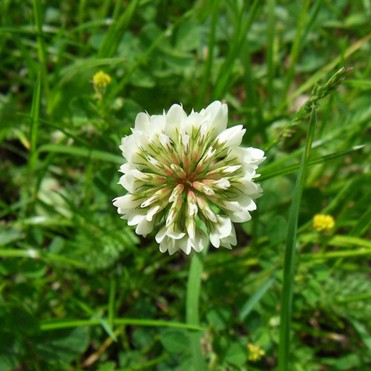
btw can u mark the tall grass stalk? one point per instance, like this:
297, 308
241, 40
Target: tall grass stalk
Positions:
270, 50
41, 47
192, 308
237, 42
296, 47
290, 252
210, 54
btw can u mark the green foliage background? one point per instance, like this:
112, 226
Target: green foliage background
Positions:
79, 290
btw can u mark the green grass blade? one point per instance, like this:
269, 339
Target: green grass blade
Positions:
35, 254
111, 303
252, 105
270, 50
354, 47
75, 68
290, 253
314, 13
41, 47
224, 76
296, 47
192, 308
210, 55
81, 17
34, 125
363, 224
118, 27
81, 152
362, 330
62, 324
339, 254
292, 168
254, 299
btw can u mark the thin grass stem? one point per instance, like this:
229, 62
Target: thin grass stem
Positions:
290, 253
41, 47
192, 308
296, 47
210, 54
270, 50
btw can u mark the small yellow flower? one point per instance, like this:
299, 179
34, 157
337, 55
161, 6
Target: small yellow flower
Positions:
101, 80
256, 353
323, 222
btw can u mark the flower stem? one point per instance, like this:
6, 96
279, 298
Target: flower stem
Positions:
192, 308
290, 252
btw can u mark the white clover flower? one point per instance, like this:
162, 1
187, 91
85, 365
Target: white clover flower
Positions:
188, 177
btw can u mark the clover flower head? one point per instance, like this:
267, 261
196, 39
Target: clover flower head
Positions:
323, 222
188, 177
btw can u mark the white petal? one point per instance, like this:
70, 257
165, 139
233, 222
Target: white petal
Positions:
128, 182
144, 227
155, 127
218, 116
164, 140
253, 155
174, 233
191, 227
224, 226
128, 147
222, 183
230, 240
169, 245
161, 235
174, 119
126, 202
185, 142
237, 212
194, 120
214, 238
239, 216
245, 203
152, 212
142, 121
185, 245
134, 218
200, 241
232, 136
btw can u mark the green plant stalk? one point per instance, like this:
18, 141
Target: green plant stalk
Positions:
338, 254
210, 55
255, 298
111, 303
330, 66
252, 104
192, 308
81, 17
292, 168
121, 20
270, 49
34, 124
31, 193
295, 50
290, 252
35, 254
41, 47
62, 324
318, 93
224, 76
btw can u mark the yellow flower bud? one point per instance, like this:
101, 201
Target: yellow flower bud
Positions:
323, 222
101, 80
256, 353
